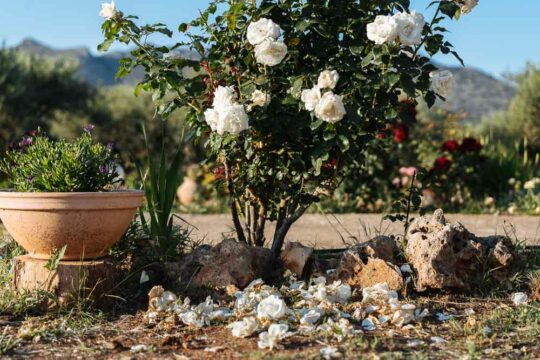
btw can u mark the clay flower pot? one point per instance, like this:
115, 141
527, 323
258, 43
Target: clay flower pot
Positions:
88, 224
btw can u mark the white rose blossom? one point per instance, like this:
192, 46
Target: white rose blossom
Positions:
260, 98
442, 82
270, 52
467, 5
410, 27
271, 339
328, 79
330, 108
384, 29
226, 115
311, 98
224, 96
273, 308
244, 328
108, 11
261, 30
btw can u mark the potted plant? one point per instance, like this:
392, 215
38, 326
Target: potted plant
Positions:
287, 95
63, 197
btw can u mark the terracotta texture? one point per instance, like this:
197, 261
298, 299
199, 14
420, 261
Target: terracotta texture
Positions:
88, 223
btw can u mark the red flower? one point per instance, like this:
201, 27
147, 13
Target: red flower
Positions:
381, 135
450, 145
470, 144
409, 106
331, 164
219, 172
401, 132
442, 164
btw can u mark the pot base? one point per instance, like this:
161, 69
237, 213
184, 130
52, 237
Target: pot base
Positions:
70, 279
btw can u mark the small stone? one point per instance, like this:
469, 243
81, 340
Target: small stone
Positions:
295, 256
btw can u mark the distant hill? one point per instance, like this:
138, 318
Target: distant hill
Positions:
476, 92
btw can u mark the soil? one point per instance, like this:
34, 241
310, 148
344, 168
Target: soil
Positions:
330, 231
467, 336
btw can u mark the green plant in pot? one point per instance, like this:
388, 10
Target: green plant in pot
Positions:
64, 197
287, 94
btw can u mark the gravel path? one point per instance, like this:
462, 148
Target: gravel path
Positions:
326, 231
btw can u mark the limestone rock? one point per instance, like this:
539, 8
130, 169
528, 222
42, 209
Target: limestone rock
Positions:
380, 247
447, 256
295, 256
370, 263
234, 263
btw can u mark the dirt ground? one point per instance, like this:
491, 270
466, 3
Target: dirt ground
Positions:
495, 330
326, 231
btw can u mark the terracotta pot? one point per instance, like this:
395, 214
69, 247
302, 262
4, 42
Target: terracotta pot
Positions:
87, 223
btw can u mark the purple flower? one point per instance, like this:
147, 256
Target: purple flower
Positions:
110, 146
104, 169
88, 128
30, 179
26, 141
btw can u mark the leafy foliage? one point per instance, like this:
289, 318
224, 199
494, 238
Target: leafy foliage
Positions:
39, 164
287, 159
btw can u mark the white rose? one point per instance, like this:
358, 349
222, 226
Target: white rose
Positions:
270, 339
212, 118
244, 328
259, 98
224, 96
442, 82
330, 108
272, 308
328, 79
261, 30
410, 27
189, 73
383, 29
270, 53
311, 98
108, 11
467, 5
232, 119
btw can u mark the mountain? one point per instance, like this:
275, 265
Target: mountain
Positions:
476, 93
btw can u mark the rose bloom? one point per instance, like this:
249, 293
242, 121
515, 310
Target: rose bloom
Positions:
330, 108
270, 53
261, 30
381, 135
408, 171
383, 29
273, 308
108, 11
442, 164
259, 98
328, 79
224, 96
311, 98
468, 5
243, 328
470, 145
410, 27
401, 132
442, 82
450, 145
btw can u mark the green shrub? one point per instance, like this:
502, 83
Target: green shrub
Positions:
38, 163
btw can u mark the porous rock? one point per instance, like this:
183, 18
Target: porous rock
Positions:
447, 256
368, 264
295, 256
234, 263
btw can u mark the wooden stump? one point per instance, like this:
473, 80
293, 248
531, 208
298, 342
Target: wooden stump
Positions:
70, 279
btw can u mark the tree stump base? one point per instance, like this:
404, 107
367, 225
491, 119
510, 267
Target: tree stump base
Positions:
71, 279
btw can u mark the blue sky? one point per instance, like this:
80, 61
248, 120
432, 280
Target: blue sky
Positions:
497, 37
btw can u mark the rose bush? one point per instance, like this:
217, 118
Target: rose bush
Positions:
331, 74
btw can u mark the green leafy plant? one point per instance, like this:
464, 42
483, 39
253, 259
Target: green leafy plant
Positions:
288, 93
160, 183
39, 164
